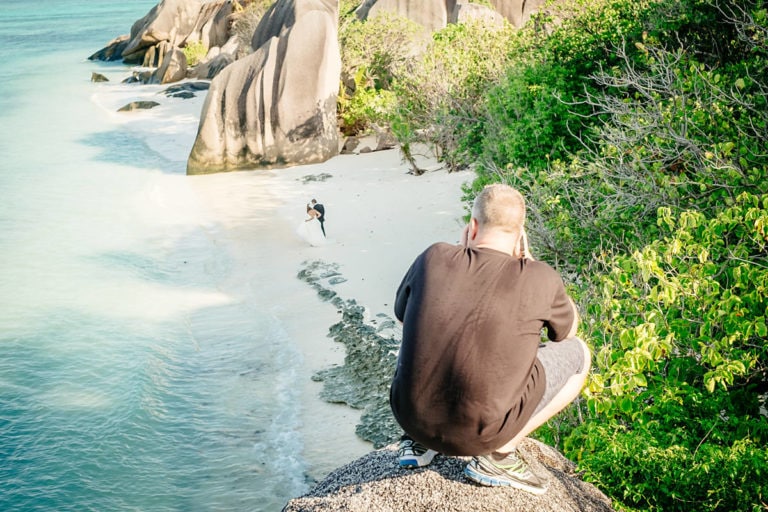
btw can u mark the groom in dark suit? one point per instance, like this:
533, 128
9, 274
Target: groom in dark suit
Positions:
321, 210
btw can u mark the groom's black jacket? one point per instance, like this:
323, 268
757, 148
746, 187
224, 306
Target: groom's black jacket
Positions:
321, 209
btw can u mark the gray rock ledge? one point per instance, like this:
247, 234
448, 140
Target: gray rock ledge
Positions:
375, 483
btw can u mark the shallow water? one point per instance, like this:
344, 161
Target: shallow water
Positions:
138, 371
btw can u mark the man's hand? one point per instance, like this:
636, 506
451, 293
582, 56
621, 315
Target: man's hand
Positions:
575, 324
524, 248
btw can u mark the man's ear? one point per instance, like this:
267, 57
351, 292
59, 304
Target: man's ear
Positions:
474, 227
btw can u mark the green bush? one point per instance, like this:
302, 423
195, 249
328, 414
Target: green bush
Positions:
673, 416
527, 117
366, 106
537, 114
637, 132
441, 97
672, 132
194, 51
373, 53
647, 188
688, 308
642, 469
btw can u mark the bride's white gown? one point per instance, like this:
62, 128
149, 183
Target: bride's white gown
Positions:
311, 232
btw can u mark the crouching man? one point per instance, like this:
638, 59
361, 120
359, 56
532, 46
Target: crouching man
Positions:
473, 377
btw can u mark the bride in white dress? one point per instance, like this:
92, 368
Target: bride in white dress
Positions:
309, 230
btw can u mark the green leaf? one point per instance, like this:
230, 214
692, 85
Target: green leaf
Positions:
760, 328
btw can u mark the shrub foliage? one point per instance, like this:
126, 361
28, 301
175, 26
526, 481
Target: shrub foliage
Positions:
637, 131
646, 177
373, 54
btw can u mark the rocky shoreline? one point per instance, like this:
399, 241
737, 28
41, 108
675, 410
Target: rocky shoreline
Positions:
371, 346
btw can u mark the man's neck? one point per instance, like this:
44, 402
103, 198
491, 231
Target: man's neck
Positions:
501, 244
498, 241
497, 249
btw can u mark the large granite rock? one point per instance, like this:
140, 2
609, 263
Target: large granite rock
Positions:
276, 107
171, 25
465, 12
435, 14
113, 51
212, 26
376, 483
172, 69
169, 21
432, 14
212, 66
217, 58
153, 57
517, 12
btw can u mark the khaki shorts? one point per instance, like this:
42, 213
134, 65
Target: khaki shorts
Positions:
561, 360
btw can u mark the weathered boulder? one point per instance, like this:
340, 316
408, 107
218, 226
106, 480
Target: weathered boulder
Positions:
517, 12
98, 77
435, 14
212, 24
232, 46
187, 86
139, 77
172, 69
350, 144
113, 51
173, 24
375, 482
138, 105
432, 14
217, 58
154, 55
211, 67
466, 11
276, 107
169, 21
186, 90
385, 139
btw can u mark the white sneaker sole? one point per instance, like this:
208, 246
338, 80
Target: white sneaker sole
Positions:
417, 461
491, 481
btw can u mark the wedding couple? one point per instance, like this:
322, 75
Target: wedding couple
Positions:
312, 229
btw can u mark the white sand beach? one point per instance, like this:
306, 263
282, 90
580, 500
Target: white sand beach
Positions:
378, 218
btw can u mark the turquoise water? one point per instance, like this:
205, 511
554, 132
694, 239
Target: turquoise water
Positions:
134, 375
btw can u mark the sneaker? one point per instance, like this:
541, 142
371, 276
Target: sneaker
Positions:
512, 471
413, 454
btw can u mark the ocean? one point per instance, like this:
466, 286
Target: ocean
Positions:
146, 362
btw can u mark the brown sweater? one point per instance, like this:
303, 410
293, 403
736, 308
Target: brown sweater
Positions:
467, 377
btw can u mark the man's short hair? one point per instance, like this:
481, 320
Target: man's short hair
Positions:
500, 206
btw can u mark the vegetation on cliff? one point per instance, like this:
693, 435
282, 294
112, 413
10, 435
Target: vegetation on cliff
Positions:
637, 130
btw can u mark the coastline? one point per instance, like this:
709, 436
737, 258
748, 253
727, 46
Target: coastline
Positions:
379, 218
